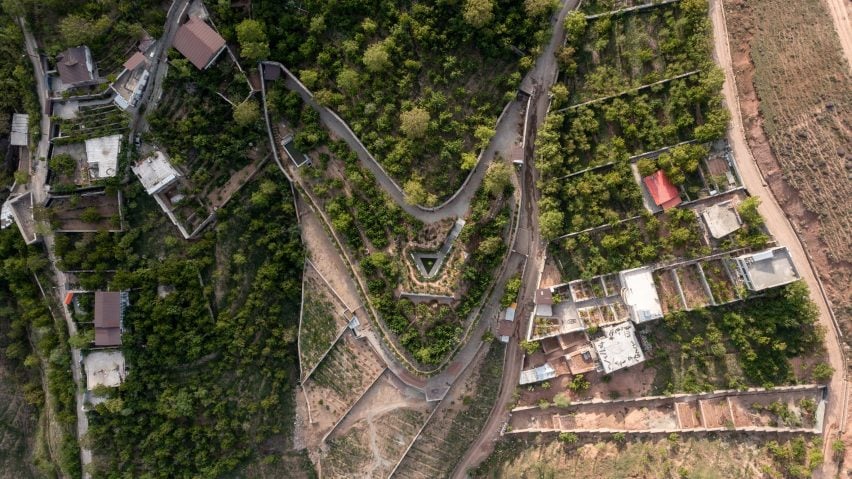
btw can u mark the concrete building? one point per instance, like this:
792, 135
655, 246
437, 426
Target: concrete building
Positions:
199, 43
543, 302
721, 219
102, 156
767, 269
618, 348
155, 172
640, 294
537, 375
130, 84
20, 130
581, 361
104, 368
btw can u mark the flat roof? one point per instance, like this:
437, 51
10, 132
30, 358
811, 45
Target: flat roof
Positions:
20, 129
768, 268
721, 219
541, 373
640, 294
103, 153
510, 314
104, 368
155, 172
618, 348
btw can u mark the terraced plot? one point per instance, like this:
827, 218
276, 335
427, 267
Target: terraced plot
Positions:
323, 318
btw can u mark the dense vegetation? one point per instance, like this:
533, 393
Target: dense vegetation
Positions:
213, 361
33, 344
748, 343
420, 83
608, 132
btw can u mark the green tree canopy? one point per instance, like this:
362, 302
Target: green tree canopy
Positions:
251, 35
478, 12
414, 122
246, 113
376, 57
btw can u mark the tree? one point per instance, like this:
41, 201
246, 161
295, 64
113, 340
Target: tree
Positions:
536, 8
483, 133
838, 449
309, 78
251, 36
529, 347
82, 339
414, 122
559, 92
579, 383
376, 57
90, 215
747, 210
822, 372
348, 80
490, 246
575, 26
77, 30
568, 437
619, 437
551, 223
565, 58
246, 113
468, 161
561, 400
478, 12
416, 194
497, 178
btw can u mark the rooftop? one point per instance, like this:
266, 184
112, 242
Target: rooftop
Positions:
198, 42
108, 311
543, 296
134, 61
664, 193
767, 269
75, 65
640, 294
102, 153
721, 219
618, 348
541, 373
583, 360
104, 368
155, 172
510, 313
20, 129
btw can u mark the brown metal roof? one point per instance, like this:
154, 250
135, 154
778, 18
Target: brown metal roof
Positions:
271, 72
505, 328
133, 62
107, 337
73, 67
107, 309
198, 42
543, 296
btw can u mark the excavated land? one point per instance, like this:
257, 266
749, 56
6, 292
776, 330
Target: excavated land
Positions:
796, 99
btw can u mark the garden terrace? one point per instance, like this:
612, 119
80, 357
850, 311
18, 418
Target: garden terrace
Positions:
193, 124
694, 287
92, 122
455, 424
323, 320
421, 85
625, 50
740, 344
87, 211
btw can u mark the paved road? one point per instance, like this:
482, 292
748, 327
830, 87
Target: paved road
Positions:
528, 243
778, 224
839, 10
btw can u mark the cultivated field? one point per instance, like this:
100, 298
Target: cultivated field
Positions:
787, 55
323, 318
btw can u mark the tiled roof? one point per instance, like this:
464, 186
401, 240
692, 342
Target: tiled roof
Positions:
198, 42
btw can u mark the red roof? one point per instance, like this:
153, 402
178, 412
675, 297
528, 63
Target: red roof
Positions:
665, 194
137, 59
68, 298
198, 42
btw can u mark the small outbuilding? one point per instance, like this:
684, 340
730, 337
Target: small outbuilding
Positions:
155, 173
767, 269
20, 130
639, 293
199, 42
662, 190
537, 375
102, 155
721, 219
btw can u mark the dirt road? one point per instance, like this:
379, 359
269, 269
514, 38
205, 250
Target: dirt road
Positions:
840, 16
778, 225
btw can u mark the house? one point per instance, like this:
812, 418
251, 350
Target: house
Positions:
76, 67
618, 348
109, 310
539, 374
767, 269
155, 173
640, 294
505, 329
198, 42
721, 219
131, 82
664, 193
543, 302
20, 130
102, 155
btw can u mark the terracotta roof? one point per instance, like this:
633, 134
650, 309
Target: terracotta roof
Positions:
133, 62
73, 65
198, 42
68, 298
665, 194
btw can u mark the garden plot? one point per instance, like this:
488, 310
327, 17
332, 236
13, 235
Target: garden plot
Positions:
719, 279
371, 439
693, 286
91, 211
457, 422
92, 122
624, 51
667, 289
797, 409
323, 318
340, 379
